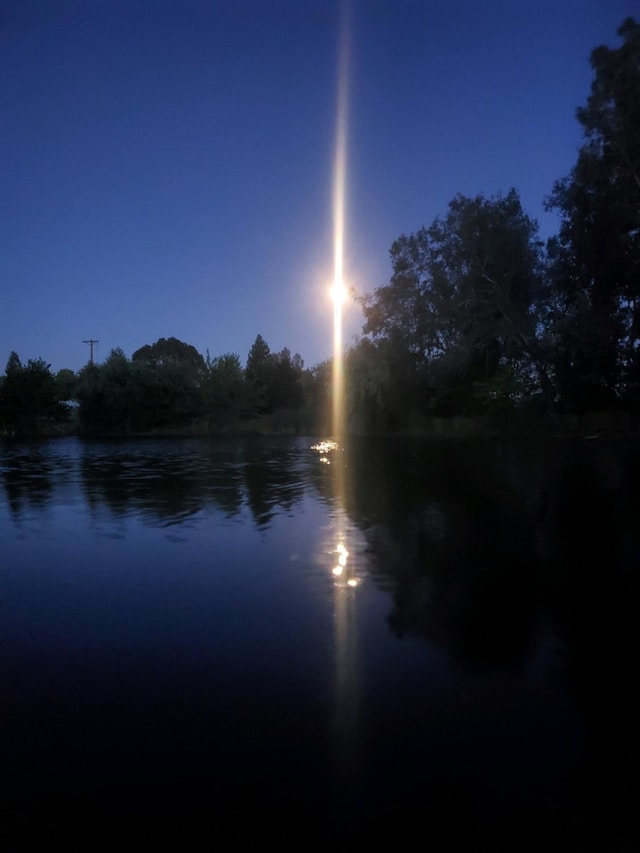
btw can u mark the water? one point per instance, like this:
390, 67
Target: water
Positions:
248, 641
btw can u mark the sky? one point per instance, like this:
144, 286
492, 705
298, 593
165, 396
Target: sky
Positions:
167, 165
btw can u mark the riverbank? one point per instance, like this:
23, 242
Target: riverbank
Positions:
588, 425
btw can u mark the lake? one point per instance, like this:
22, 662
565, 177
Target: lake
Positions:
248, 640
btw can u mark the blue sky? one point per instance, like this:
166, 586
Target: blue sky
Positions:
167, 164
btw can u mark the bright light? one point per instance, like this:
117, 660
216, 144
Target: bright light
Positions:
343, 554
338, 293
325, 446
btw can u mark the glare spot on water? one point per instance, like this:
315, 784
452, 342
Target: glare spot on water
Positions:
343, 573
326, 445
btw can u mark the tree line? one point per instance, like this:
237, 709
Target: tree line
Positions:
479, 316
167, 384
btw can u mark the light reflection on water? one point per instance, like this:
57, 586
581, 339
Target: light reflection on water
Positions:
417, 635
346, 579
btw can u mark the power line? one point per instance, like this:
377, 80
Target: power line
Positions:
91, 342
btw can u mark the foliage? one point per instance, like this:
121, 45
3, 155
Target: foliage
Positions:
105, 394
274, 380
66, 381
459, 309
285, 381
223, 390
257, 376
593, 321
477, 318
177, 371
171, 352
169, 384
133, 396
30, 400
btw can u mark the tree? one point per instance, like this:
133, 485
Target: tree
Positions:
179, 371
66, 381
257, 375
285, 390
105, 393
594, 306
166, 352
274, 381
224, 390
369, 385
30, 398
458, 315
318, 387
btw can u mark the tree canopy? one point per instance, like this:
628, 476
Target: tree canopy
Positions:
30, 398
594, 299
459, 310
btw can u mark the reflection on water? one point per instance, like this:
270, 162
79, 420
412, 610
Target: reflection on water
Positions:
442, 639
347, 669
345, 629
162, 481
27, 476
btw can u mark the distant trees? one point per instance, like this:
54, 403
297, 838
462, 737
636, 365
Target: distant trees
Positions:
286, 387
171, 352
274, 380
257, 375
30, 398
105, 394
160, 386
170, 384
224, 390
66, 383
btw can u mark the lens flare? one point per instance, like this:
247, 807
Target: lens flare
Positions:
344, 577
338, 290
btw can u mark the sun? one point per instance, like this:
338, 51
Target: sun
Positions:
338, 292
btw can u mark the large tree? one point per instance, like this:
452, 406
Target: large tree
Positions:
171, 352
594, 317
179, 373
457, 316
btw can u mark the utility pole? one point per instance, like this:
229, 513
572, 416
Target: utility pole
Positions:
91, 342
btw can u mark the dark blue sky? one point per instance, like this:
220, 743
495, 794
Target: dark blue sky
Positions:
167, 164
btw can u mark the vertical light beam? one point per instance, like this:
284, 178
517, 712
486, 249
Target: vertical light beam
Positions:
339, 224
346, 649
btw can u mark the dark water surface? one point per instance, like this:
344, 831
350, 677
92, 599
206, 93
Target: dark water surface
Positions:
206, 644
